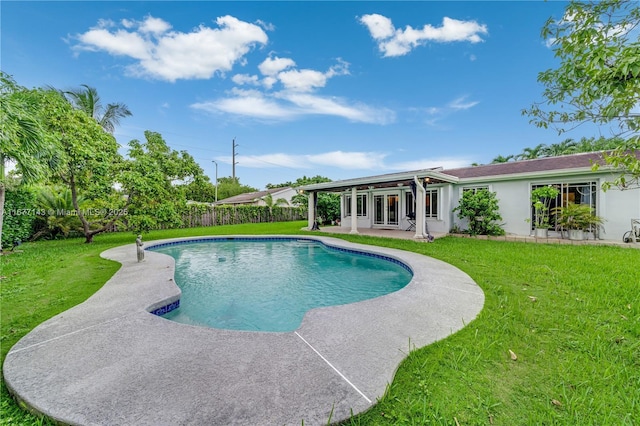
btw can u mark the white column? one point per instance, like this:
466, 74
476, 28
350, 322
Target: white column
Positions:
354, 211
420, 209
311, 211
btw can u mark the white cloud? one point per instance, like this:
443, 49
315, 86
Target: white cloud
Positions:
249, 104
461, 103
173, 55
289, 105
302, 80
399, 42
427, 163
295, 96
345, 160
241, 79
436, 114
272, 66
155, 26
379, 26
339, 159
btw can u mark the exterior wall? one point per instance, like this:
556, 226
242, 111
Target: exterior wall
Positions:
615, 206
618, 208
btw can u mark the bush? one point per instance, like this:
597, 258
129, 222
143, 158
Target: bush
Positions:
19, 215
480, 208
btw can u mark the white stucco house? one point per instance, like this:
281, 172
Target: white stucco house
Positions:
387, 201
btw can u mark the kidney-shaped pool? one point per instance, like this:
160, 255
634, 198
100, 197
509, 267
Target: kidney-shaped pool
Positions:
269, 284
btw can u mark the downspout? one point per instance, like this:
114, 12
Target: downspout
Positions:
354, 211
421, 196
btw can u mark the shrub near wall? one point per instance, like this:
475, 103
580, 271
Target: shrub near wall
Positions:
205, 215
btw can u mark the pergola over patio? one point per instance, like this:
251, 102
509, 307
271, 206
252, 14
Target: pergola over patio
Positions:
421, 178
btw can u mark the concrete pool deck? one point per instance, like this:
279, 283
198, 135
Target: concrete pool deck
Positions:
109, 361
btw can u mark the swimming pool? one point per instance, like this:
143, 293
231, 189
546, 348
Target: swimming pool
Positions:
270, 284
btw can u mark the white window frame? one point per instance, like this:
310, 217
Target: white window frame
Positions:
362, 205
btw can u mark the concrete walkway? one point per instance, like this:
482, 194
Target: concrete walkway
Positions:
109, 361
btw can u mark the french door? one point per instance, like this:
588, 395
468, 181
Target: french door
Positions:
386, 209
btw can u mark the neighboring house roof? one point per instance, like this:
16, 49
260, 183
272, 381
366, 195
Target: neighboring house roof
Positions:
252, 197
565, 164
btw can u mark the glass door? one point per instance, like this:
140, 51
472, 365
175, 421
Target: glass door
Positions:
386, 209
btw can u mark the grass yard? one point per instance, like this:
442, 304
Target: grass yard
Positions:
571, 315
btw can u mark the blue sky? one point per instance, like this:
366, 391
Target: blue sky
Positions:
338, 89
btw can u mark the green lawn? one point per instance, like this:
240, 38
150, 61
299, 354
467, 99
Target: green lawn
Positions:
571, 314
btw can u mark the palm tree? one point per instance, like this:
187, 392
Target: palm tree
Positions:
57, 201
23, 140
567, 146
502, 159
87, 99
532, 153
270, 203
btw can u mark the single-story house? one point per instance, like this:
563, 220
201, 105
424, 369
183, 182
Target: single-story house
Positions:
425, 199
257, 198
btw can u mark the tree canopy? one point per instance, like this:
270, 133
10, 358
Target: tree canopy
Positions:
23, 139
598, 77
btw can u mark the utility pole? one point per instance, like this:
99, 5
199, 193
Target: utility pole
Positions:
233, 159
216, 163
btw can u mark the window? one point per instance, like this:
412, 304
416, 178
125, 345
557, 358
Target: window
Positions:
577, 193
431, 204
409, 206
361, 201
474, 188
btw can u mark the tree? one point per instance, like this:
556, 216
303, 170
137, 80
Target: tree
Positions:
598, 79
153, 180
502, 159
23, 139
87, 100
300, 181
54, 204
200, 189
230, 187
271, 203
89, 164
532, 153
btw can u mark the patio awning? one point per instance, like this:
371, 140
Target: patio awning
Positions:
434, 176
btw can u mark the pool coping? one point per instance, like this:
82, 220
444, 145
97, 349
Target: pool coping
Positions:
110, 361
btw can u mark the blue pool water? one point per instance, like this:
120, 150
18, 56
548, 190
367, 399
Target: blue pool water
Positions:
268, 285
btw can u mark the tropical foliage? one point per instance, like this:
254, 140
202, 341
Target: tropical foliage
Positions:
480, 209
86, 99
598, 79
541, 198
566, 147
19, 215
23, 140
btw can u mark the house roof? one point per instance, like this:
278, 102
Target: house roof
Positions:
565, 164
250, 197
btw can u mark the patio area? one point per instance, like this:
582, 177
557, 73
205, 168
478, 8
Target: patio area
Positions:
408, 235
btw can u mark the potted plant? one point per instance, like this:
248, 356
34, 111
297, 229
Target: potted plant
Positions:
577, 218
541, 198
